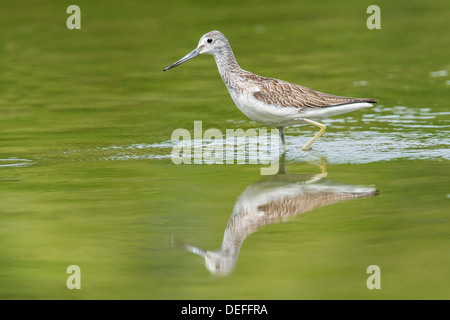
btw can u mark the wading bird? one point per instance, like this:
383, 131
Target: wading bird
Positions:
272, 101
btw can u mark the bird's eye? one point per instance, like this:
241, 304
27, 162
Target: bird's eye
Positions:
209, 40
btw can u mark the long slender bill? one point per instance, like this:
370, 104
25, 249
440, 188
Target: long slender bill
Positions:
190, 55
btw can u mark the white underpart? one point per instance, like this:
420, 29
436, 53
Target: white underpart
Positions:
285, 116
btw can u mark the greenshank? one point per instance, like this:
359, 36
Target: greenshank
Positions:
270, 101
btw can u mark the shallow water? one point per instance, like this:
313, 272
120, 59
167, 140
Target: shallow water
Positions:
384, 134
87, 178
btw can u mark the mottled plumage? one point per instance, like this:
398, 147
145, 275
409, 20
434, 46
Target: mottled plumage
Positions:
285, 94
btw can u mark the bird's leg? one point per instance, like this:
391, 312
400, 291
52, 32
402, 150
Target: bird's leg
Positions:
318, 135
323, 171
281, 129
282, 164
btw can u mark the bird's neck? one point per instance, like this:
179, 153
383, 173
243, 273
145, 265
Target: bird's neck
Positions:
227, 65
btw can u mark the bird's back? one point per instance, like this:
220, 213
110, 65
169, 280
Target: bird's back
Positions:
286, 94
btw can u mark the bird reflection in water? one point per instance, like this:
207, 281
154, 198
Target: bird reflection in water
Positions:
273, 200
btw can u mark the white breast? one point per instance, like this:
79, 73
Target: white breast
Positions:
260, 112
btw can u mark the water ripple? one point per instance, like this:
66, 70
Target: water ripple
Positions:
381, 134
15, 162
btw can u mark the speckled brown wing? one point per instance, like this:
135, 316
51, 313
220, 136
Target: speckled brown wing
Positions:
308, 201
286, 94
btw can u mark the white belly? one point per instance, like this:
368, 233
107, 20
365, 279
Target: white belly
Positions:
276, 116
265, 114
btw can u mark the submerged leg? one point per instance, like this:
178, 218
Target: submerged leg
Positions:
317, 136
281, 129
282, 164
323, 171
